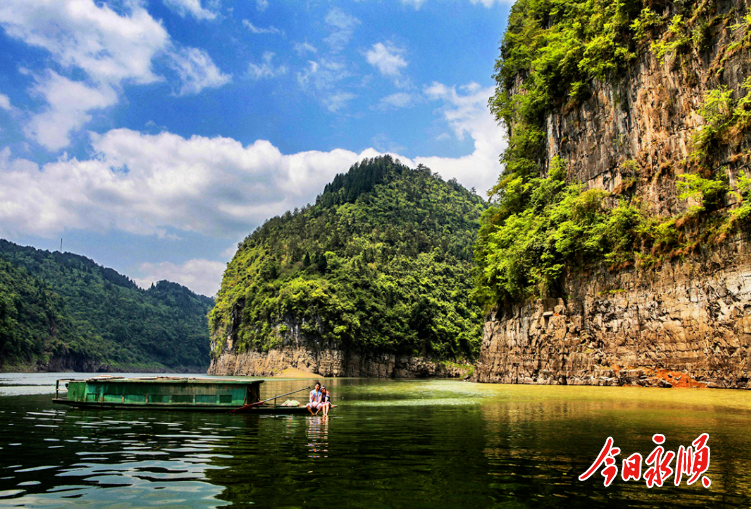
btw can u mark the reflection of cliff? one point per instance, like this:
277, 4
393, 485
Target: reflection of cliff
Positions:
653, 273
539, 440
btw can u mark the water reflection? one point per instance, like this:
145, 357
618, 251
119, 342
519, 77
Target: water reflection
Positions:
318, 435
415, 444
542, 446
99, 457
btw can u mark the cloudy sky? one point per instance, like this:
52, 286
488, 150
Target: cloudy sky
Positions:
154, 135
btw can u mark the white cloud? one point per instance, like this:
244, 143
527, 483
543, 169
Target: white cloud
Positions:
387, 58
197, 71
149, 183
384, 144
5, 103
103, 49
257, 30
467, 115
143, 184
201, 276
68, 106
266, 69
414, 3
303, 77
491, 3
337, 101
303, 48
192, 7
325, 74
487, 3
107, 46
342, 27
229, 252
396, 101
262, 5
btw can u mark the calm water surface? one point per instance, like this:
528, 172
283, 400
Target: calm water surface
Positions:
414, 444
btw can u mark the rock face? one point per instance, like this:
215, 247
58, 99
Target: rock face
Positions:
307, 352
329, 362
692, 318
650, 117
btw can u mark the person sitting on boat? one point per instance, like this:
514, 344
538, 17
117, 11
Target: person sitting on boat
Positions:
315, 400
326, 401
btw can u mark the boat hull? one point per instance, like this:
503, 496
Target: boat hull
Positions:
257, 410
150, 406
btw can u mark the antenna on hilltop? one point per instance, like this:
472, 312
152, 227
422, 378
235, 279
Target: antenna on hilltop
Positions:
61, 245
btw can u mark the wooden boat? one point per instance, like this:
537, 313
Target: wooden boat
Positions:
168, 393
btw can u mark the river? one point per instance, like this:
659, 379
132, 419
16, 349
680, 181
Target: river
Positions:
408, 444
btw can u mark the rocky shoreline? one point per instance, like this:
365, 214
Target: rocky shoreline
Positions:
688, 319
332, 362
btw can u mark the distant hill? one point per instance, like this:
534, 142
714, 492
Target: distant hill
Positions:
382, 263
64, 311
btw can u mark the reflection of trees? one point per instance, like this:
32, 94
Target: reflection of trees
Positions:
266, 460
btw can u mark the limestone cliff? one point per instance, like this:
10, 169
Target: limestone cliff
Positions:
689, 318
676, 105
309, 353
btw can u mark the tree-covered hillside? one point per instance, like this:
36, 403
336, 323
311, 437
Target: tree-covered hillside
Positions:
381, 262
98, 314
34, 326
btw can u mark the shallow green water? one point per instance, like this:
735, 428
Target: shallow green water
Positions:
413, 444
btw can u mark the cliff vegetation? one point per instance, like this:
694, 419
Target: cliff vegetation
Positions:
682, 176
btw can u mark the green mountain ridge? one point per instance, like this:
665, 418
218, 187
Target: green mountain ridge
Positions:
64, 311
381, 262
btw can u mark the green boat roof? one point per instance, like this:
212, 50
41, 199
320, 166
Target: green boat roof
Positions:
167, 380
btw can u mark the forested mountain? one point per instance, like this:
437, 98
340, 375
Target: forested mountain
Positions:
380, 263
63, 311
34, 325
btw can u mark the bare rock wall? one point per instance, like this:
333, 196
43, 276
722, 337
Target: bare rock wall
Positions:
690, 318
306, 354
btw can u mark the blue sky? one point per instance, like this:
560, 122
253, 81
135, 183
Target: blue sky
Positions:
152, 136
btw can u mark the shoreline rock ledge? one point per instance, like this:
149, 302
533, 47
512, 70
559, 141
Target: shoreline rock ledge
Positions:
687, 323
330, 362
